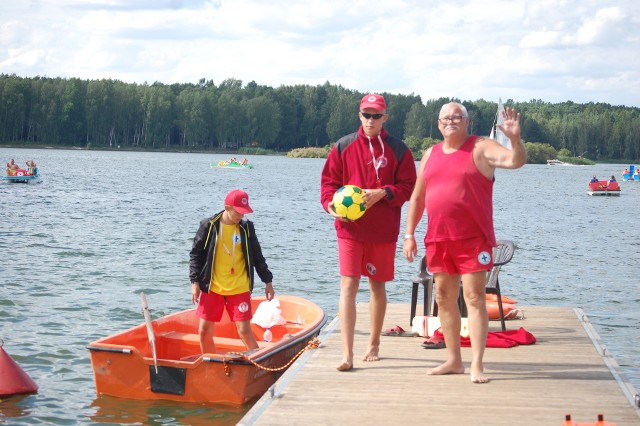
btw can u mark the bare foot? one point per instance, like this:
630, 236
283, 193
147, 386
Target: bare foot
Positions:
477, 374
479, 379
372, 354
447, 368
345, 366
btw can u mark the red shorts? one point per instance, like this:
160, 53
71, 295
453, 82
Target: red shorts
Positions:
211, 305
373, 260
459, 257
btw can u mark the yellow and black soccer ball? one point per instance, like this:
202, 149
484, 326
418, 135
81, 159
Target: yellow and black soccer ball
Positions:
348, 203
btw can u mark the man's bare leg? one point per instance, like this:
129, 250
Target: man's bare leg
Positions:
377, 311
447, 291
347, 311
475, 290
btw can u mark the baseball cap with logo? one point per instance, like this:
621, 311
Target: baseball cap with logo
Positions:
374, 101
239, 200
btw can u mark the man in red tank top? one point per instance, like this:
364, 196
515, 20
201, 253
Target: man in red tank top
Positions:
455, 187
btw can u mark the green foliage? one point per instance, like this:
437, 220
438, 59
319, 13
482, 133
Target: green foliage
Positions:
428, 143
416, 124
247, 150
102, 114
419, 146
310, 152
579, 161
414, 143
539, 153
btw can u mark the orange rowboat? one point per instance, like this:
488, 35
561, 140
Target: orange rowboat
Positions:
123, 364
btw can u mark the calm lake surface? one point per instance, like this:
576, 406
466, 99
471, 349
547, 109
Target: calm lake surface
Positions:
79, 247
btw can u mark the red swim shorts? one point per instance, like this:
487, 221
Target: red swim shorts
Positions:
459, 257
211, 306
373, 260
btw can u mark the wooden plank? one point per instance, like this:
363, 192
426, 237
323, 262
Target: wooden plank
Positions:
563, 373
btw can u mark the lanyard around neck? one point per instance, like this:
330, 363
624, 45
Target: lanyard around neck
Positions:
232, 252
377, 162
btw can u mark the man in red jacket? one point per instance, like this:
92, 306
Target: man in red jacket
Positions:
384, 168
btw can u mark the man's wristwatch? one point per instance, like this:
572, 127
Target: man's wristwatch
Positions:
408, 236
388, 193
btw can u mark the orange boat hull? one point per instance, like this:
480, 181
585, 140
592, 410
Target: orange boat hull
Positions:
123, 363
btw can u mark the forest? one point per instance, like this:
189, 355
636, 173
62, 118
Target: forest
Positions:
230, 116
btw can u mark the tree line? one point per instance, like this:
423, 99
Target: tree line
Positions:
42, 111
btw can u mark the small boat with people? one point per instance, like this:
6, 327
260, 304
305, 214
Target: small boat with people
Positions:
631, 174
604, 187
17, 174
162, 359
233, 163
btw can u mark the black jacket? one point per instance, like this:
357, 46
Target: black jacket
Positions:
204, 246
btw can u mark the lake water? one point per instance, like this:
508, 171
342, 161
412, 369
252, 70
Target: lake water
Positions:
101, 227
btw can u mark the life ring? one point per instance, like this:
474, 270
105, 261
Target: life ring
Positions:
505, 299
510, 311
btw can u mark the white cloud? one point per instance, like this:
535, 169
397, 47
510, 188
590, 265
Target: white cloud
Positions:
604, 27
551, 50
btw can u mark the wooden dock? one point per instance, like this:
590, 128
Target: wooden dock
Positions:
568, 371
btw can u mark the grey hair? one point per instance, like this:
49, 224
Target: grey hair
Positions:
465, 114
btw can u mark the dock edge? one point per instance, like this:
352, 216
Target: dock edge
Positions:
626, 386
276, 389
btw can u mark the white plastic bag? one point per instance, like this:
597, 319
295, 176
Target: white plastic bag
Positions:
268, 314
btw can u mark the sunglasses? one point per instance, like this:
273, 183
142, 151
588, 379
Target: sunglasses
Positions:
367, 116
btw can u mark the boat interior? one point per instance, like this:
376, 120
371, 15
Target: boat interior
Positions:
176, 336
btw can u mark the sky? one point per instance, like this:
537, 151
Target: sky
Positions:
549, 50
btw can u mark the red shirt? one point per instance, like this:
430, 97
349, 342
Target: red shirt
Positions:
458, 198
350, 161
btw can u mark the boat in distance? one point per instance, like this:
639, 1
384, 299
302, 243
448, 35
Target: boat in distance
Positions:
23, 176
232, 164
603, 187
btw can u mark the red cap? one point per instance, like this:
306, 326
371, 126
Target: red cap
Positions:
239, 200
374, 101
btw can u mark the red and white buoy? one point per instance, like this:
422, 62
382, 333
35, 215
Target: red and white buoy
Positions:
13, 379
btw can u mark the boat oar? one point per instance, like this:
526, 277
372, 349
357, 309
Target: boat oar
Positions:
147, 320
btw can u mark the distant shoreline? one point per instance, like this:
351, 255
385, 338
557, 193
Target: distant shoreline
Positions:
307, 152
134, 149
